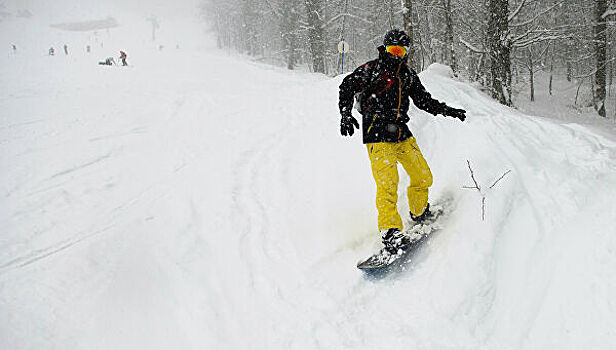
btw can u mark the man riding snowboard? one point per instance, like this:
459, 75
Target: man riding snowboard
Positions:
384, 86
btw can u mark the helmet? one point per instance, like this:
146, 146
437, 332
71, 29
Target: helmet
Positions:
397, 37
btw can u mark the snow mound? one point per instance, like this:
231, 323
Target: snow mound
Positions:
439, 69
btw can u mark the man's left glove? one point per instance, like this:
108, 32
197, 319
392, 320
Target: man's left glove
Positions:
346, 124
455, 113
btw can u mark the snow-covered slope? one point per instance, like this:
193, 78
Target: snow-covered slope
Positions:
198, 200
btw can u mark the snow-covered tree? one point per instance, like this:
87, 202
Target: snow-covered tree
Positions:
316, 33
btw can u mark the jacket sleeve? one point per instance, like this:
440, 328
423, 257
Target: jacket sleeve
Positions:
352, 84
422, 98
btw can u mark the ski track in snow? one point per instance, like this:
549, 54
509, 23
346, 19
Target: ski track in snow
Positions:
37, 255
235, 211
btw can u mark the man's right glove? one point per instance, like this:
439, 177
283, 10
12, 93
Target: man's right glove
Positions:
346, 125
455, 113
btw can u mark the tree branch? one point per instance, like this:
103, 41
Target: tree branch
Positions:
473, 175
471, 47
500, 178
274, 10
516, 11
608, 13
536, 16
478, 188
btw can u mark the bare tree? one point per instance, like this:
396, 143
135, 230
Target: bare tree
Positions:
499, 48
407, 20
481, 189
449, 34
532, 61
249, 33
600, 47
289, 18
316, 34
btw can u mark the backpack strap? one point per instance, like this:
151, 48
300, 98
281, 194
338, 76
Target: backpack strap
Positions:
373, 75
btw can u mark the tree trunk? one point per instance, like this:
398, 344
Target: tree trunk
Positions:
500, 50
551, 69
316, 34
600, 44
611, 82
531, 72
391, 14
249, 33
577, 92
481, 68
288, 28
407, 19
551, 80
449, 37
471, 65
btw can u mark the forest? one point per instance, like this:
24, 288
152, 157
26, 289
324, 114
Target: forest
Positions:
495, 43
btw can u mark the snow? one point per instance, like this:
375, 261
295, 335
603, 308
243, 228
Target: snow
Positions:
561, 106
199, 200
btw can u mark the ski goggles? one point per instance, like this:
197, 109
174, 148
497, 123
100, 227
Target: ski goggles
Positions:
396, 50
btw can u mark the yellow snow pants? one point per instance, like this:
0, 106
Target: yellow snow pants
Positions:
384, 158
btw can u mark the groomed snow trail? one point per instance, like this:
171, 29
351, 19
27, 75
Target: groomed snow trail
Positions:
213, 204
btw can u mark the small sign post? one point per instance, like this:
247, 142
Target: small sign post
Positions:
343, 48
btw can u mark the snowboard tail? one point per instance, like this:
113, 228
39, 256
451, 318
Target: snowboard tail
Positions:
384, 258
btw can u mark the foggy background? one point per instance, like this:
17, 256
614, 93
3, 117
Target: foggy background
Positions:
75, 10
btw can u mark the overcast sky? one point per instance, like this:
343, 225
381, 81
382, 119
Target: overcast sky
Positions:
75, 10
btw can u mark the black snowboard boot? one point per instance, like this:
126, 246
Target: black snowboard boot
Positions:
394, 240
424, 216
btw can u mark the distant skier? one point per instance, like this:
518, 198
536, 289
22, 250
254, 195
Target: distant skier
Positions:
384, 86
123, 58
14, 48
52, 52
65, 49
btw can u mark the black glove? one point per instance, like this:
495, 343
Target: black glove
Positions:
455, 113
346, 125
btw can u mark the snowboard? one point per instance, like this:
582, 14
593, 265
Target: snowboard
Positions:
418, 232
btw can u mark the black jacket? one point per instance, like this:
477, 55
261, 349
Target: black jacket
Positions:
384, 86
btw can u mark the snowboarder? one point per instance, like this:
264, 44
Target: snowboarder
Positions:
383, 87
123, 58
